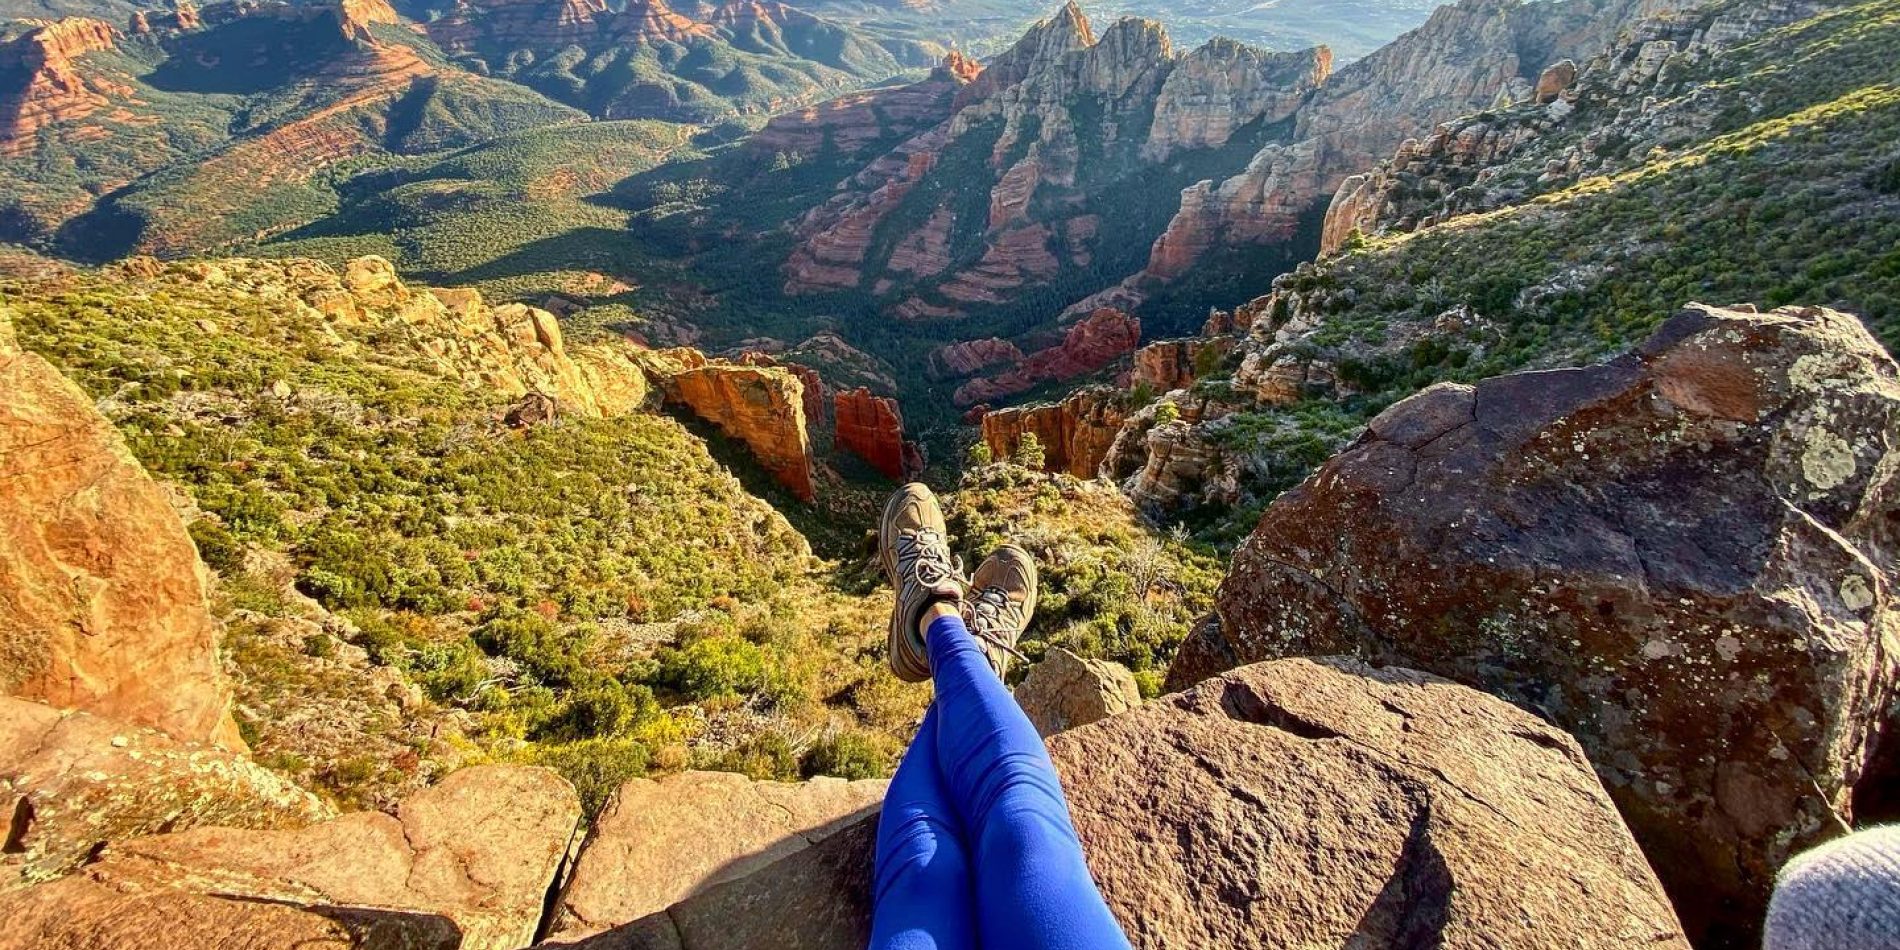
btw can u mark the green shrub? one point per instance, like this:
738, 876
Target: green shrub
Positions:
847, 755
217, 547
714, 667
1029, 453
596, 767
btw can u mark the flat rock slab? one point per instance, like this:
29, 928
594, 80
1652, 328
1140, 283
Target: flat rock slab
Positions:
659, 842
72, 782
1302, 803
466, 864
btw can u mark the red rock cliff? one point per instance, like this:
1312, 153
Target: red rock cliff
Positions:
1091, 345
50, 87
1075, 434
871, 427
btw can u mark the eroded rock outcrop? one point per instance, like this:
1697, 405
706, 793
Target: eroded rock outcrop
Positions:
43, 84
102, 597
968, 358
72, 782
1062, 119
465, 864
1175, 364
1293, 804
1092, 344
1065, 691
1684, 556
871, 427
661, 842
1075, 433
761, 406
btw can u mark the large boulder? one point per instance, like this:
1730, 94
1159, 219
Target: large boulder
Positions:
1302, 803
73, 782
102, 597
1065, 691
466, 864
1685, 557
661, 842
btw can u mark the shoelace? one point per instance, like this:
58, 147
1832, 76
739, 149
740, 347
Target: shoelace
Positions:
931, 563
986, 615
928, 555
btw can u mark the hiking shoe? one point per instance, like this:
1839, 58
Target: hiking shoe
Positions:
916, 554
1003, 600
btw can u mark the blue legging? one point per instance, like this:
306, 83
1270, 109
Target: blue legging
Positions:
975, 846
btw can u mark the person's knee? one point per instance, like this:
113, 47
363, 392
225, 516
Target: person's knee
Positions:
920, 855
1843, 894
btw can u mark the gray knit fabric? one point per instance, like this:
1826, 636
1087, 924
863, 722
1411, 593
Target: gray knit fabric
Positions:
1844, 895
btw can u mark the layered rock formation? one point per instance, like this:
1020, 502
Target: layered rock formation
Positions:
1091, 345
871, 427
855, 123
959, 360
1433, 814
661, 842
102, 598
1627, 99
1127, 100
43, 82
1467, 56
1683, 556
465, 864
1065, 691
1175, 364
774, 57
1075, 433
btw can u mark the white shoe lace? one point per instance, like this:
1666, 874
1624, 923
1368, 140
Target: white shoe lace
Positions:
928, 557
986, 620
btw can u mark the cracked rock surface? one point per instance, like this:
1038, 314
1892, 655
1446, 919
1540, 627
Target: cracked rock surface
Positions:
1302, 803
102, 598
467, 863
1684, 557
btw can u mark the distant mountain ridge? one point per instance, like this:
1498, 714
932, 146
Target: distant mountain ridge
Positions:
184, 129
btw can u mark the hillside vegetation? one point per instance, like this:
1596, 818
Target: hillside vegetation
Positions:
598, 594
1779, 186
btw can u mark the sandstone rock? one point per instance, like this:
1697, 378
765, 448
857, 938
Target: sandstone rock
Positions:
662, 842
1552, 82
763, 407
76, 781
478, 852
1092, 344
968, 358
102, 597
81, 911
871, 427
854, 122
1175, 364
1684, 556
1075, 433
43, 82
1224, 86
1294, 804
532, 410
1180, 470
1065, 691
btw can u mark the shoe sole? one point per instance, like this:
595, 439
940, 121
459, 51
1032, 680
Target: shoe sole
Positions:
886, 548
